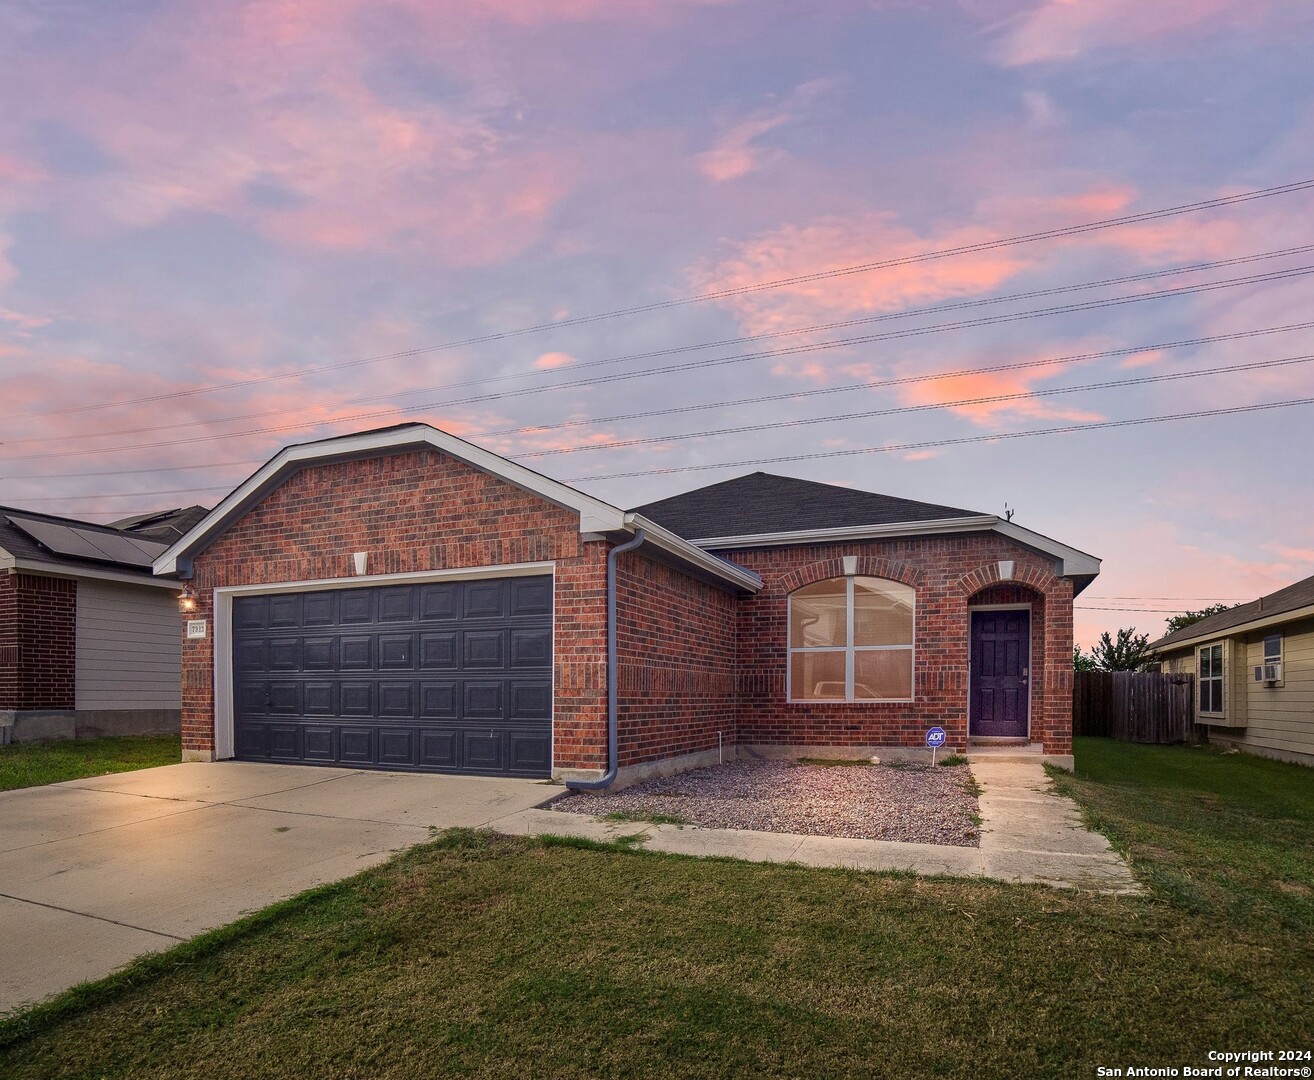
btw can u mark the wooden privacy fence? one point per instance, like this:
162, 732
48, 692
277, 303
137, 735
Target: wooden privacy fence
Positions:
1134, 706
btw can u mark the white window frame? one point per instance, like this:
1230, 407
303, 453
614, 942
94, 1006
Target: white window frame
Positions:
848, 649
1220, 678
1266, 658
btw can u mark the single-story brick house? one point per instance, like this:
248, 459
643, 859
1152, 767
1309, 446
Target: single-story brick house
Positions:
89, 640
403, 599
1254, 671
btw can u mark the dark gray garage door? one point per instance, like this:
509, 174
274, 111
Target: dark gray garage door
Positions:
446, 677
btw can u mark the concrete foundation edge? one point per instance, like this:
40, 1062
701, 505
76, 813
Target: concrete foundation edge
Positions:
39, 725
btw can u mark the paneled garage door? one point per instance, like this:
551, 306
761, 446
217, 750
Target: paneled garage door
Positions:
452, 676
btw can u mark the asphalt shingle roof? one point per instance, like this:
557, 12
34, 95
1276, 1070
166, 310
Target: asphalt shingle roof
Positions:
765, 503
1292, 598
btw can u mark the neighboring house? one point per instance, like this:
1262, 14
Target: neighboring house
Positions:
402, 599
89, 638
1254, 671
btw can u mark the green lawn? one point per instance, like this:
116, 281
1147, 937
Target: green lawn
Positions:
488, 956
32, 764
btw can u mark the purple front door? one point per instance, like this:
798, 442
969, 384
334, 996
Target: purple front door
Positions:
1001, 663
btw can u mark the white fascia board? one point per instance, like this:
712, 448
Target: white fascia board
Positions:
693, 554
1295, 615
594, 514
28, 566
976, 523
1074, 563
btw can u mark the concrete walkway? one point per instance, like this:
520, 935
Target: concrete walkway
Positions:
96, 872
1029, 834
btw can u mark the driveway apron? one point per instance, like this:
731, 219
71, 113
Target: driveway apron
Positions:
96, 872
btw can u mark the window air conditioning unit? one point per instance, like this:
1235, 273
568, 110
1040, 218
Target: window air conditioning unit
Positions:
1269, 673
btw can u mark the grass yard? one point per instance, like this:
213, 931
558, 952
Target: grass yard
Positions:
490, 956
33, 764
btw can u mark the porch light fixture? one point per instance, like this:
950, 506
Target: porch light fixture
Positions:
187, 599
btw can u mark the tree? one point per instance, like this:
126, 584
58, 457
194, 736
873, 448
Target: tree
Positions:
1127, 653
1082, 662
1187, 618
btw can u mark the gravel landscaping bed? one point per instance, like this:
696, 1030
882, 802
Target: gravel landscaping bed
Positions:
898, 801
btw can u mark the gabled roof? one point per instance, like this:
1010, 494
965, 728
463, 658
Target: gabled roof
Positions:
765, 510
765, 503
30, 540
595, 516
1294, 601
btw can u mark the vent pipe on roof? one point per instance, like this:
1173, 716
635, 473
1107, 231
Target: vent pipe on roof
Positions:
613, 742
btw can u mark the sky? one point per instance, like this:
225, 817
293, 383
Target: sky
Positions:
230, 226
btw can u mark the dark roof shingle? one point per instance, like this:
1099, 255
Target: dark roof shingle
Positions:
1292, 598
765, 503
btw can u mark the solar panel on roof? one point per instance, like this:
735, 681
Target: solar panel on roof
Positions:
89, 543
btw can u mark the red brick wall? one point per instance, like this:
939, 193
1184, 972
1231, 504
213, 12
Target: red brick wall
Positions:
416, 511
37, 642
946, 573
8, 641
676, 646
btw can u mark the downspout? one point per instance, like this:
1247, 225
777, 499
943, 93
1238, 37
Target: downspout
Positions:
613, 741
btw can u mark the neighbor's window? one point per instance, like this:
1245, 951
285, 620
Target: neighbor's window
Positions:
851, 639
1211, 679
1273, 649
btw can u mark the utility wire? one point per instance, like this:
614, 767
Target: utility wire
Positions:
907, 313
934, 443
664, 305
1129, 350
902, 409
670, 369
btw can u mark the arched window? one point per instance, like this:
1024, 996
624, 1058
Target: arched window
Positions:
851, 639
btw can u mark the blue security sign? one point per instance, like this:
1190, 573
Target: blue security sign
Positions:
935, 737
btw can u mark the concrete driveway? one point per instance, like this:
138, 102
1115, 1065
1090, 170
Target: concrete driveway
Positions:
95, 872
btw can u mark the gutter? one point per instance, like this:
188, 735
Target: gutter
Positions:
692, 553
1258, 623
613, 743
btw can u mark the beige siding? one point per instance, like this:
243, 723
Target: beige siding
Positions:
1274, 720
1282, 716
129, 647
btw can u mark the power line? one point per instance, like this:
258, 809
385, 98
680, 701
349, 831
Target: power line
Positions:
670, 369
934, 443
1128, 350
928, 256
1131, 611
672, 350
902, 409
1183, 599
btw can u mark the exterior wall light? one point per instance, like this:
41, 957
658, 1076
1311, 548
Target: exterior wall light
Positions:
187, 599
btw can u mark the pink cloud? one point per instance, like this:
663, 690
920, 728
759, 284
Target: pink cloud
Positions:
993, 384
550, 360
23, 321
1056, 30
834, 243
270, 117
735, 154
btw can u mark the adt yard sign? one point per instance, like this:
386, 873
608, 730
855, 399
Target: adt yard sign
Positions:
935, 739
